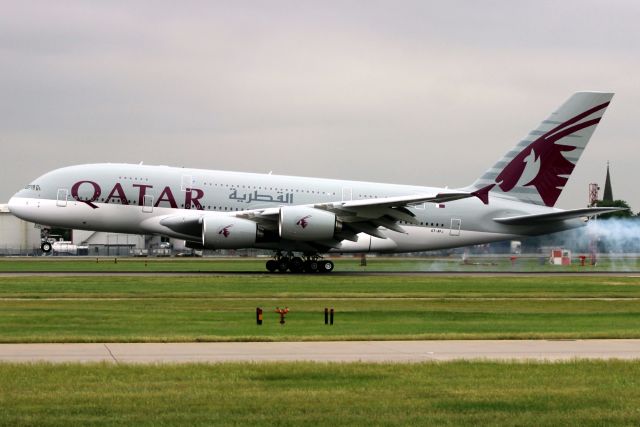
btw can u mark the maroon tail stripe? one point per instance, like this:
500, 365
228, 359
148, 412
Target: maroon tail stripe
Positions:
568, 131
577, 118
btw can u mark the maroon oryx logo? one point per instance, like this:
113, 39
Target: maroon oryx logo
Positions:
302, 222
225, 230
554, 168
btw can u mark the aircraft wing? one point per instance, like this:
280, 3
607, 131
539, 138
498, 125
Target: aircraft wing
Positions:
364, 216
401, 201
555, 216
356, 216
393, 208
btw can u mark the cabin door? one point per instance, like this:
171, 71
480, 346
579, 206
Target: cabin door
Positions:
347, 194
62, 196
455, 226
147, 205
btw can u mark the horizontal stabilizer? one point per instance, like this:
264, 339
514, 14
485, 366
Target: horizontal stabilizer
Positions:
555, 216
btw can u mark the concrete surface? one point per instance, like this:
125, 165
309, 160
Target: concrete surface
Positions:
336, 351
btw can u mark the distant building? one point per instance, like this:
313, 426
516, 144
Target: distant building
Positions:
608, 193
101, 243
17, 237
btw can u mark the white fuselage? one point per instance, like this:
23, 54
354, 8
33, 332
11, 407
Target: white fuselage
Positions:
135, 198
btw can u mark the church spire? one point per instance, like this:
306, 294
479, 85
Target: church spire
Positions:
608, 193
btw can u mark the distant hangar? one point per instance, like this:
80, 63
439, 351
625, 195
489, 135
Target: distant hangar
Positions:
17, 237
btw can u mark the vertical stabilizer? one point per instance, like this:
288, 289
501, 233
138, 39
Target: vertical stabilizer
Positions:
537, 169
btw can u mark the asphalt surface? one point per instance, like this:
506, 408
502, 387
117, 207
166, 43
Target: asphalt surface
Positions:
330, 351
334, 273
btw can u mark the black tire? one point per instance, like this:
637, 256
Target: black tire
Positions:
46, 247
326, 266
296, 265
311, 266
283, 265
272, 266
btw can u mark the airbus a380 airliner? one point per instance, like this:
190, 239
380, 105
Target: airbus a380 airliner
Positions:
302, 218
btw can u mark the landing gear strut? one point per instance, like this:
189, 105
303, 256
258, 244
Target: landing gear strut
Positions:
308, 263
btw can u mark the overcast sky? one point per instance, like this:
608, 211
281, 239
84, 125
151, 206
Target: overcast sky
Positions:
414, 92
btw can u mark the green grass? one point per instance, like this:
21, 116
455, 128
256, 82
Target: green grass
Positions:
184, 320
344, 264
577, 393
222, 308
319, 286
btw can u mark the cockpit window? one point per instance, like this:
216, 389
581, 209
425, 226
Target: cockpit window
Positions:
33, 187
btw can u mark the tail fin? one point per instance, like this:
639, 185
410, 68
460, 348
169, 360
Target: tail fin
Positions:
538, 168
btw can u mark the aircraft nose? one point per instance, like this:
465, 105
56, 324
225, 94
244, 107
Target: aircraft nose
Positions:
17, 206
13, 204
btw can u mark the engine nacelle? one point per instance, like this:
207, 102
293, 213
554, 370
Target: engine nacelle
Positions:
306, 224
228, 233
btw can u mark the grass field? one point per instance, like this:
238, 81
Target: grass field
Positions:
222, 308
578, 393
345, 264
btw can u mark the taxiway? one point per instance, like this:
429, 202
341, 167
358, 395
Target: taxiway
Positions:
328, 351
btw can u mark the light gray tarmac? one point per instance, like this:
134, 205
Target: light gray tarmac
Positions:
329, 351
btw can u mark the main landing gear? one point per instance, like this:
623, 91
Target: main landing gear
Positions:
294, 264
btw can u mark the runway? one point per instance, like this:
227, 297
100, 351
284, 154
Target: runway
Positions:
634, 273
329, 351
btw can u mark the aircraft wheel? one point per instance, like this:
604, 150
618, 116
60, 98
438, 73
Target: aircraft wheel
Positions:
283, 265
311, 266
272, 266
296, 265
46, 247
326, 266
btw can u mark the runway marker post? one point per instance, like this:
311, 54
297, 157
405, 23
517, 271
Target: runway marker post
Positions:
328, 316
258, 316
282, 312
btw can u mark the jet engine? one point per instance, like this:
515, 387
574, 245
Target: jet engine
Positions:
220, 232
306, 224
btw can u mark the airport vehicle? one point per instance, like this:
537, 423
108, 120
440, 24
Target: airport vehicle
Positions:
303, 218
